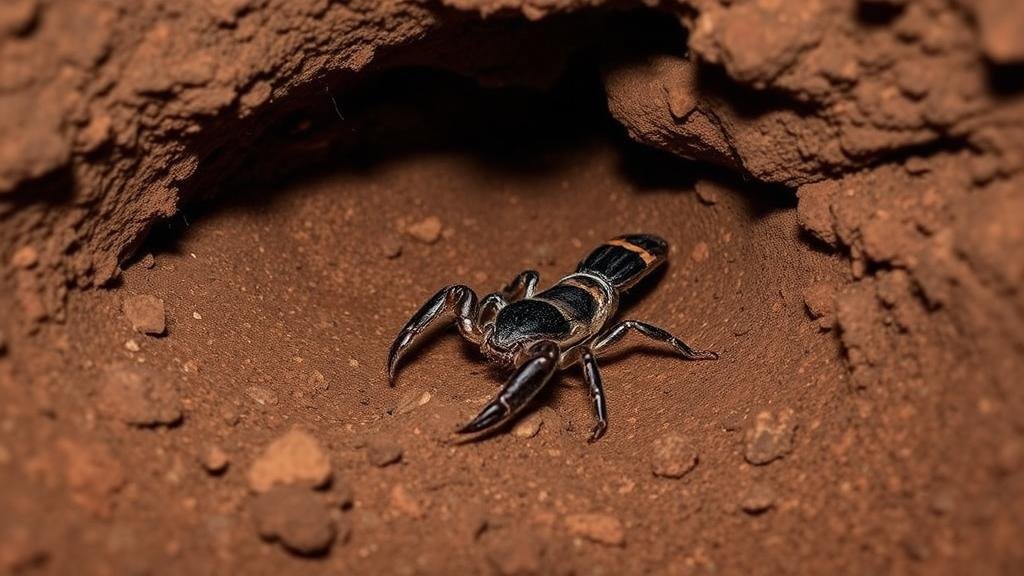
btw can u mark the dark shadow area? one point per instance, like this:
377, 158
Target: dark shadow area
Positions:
518, 133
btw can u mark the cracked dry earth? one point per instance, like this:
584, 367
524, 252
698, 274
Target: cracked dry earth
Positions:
205, 259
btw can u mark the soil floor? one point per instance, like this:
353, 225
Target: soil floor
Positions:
128, 453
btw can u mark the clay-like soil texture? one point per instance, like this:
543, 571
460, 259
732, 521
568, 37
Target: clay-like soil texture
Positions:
215, 219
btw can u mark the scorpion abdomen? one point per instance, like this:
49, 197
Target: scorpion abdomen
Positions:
625, 260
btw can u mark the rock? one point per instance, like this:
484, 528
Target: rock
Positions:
382, 452
672, 456
138, 396
770, 437
406, 503
295, 517
214, 460
596, 527
516, 552
412, 400
427, 230
146, 314
132, 346
529, 426
148, 261
758, 498
295, 458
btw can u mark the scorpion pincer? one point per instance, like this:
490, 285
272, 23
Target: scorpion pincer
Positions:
536, 334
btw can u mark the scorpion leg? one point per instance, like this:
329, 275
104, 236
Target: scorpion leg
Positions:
458, 298
592, 375
489, 308
617, 332
527, 381
522, 286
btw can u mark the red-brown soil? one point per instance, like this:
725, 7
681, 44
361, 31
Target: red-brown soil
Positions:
206, 258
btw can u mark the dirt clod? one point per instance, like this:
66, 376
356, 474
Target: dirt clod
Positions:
138, 395
757, 498
214, 459
296, 517
383, 452
770, 437
427, 230
295, 458
672, 456
146, 314
596, 527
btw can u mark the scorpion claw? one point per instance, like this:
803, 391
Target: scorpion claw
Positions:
487, 417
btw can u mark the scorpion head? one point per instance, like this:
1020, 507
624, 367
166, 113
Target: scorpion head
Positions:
497, 349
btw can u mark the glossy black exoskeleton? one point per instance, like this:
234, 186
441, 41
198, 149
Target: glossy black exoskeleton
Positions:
537, 334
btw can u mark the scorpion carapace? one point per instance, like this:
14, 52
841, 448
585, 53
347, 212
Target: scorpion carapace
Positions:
538, 334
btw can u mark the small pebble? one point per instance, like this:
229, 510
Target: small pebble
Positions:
132, 346
819, 299
758, 498
596, 527
214, 460
529, 426
770, 437
700, 252
146, 314
260, 395
382, 452
295, 458
148, 261
706, 192
412, 400
25, 258
427, 230
296, 517
391, 247
672, 456
404, 502
197, 316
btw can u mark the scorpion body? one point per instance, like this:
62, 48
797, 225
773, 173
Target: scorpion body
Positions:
538, 334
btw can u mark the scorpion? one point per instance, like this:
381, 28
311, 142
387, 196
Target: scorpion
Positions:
536, 334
